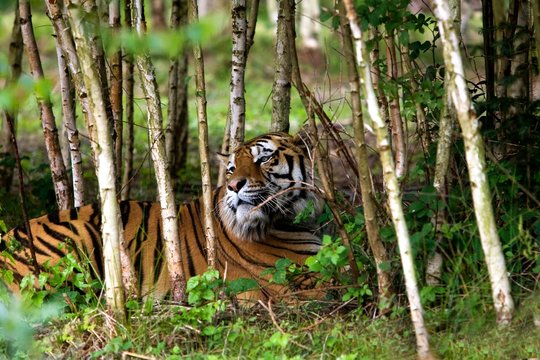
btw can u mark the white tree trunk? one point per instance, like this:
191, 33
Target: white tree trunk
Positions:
474, 152
159, 158
237, 102
200, 92
99, 131
391, 184
72, 135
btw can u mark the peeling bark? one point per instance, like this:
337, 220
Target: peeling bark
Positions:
281, 89
112, 230
476, 164
200, 92
391, 184
157, 151
69, 121
380, 254
15, 57
52, 143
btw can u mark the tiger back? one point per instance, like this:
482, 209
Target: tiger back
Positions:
253, 216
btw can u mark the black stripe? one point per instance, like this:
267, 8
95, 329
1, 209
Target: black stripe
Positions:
73, 213
191, 266
125, 211
97, 243
95, 215
53, 217
25, 242
202, 247
158, 253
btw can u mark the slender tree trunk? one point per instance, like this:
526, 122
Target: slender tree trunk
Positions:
398, 133
115, 80
22, 195
158, 15
281, 90
15, 57
64, 39
536, 21
364, 175
176, 133
129, 87
476, 163
58, 170
200, 92
392, 186
117, 265
446, 130
68, 118
159, 157
442, 163
226, 146
237, 102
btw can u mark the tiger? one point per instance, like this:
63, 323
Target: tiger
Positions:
253, 212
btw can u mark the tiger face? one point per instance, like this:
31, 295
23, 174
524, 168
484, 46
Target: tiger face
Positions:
266, 184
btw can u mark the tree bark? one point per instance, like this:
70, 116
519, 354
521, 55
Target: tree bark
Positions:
392, 186
476, 164
129, 86
398, 133
200, 92
58, 170
69, 121
237, 102
226, 146
117, 265
536, 21
157, 138
281, 89
380, 254
176, 133
15, 58
115, 81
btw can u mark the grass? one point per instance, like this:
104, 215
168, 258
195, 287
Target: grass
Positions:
168, 331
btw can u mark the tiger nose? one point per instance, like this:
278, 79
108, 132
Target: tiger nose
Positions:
236, 184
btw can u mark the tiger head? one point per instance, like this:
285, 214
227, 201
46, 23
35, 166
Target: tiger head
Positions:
267, 185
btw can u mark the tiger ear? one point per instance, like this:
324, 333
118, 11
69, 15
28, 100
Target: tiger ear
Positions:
223, 158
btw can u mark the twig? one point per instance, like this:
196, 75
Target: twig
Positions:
273, 317
125, 355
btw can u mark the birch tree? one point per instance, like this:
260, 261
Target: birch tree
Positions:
68, 120
176, 133
115, 81
84, 27
391, 185
10, 115
52, 143
281, 89
237, 102
378, 250
243, 32
200, 91
476, 165
129, 107
159, 158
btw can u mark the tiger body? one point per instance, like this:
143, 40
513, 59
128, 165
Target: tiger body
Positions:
253, 218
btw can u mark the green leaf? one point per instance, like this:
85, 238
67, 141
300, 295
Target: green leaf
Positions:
241, 285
